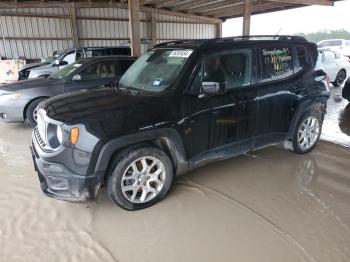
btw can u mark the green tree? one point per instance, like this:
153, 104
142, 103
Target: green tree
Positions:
326, 34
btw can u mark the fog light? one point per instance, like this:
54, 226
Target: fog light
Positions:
57, 183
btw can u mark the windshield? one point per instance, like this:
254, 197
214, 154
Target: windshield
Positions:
51, 59
155, 70
66, 71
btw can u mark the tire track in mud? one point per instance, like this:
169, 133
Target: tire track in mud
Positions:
190, 183
39, 231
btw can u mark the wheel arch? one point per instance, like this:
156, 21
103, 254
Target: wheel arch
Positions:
167, 139
29, 102
317, 103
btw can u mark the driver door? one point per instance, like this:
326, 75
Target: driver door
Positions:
226, 120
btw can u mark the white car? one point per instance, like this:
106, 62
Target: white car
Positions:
340, 46
335, 65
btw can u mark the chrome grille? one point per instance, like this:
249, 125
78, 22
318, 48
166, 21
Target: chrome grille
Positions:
39, 138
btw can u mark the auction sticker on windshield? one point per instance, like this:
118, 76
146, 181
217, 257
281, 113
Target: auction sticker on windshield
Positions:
181, 53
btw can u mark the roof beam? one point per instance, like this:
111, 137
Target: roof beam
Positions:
236, 12
213, 5
305, 2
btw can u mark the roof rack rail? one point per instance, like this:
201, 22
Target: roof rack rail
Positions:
236, 38
262, 37
182, 41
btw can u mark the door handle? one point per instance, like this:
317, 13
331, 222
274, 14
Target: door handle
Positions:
216, 112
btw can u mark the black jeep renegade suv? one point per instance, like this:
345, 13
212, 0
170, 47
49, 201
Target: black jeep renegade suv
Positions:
181, 105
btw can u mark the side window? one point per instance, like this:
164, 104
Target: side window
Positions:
328, 56
347, 42
276, 63
121, 51
302, 58
100, 70
196, 84
232, 69
80, 55
69, 57
124, 65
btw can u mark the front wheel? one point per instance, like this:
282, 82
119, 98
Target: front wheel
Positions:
32, 113
308, 132
139, 177
339, 80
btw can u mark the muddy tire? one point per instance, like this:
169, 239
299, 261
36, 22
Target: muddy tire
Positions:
339, 80
307, 132
31, 113
139, 177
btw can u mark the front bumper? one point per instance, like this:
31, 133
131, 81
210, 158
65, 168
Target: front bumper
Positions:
11, 112
60, 182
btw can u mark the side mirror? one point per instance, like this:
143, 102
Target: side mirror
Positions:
212, 88
76, 77
60, 63
320, 75
63, 63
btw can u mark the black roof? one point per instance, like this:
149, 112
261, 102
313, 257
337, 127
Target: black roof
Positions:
110, 57
205, 43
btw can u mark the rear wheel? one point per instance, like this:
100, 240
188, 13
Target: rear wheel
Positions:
139, 177
32, 113
308, 132
339, 80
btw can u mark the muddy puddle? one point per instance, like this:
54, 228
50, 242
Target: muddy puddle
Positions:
271, 205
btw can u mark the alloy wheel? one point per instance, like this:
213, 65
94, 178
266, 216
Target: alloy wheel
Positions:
143, 179
35, 115
341, 78
308, 133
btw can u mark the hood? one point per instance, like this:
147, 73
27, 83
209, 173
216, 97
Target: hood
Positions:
32, 65
107, 112
27, 84
41, 67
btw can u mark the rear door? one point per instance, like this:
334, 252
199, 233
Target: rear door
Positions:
277, 93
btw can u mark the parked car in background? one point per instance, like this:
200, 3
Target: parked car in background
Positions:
18, 101
341, 46
346, 90
181, 105
60, 59
335, 65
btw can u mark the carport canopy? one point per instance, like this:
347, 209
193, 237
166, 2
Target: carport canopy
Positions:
215, 11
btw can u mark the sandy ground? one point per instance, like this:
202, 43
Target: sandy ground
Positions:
270, 205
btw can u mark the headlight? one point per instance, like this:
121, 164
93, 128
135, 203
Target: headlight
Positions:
10, 96
54, 136
59, 134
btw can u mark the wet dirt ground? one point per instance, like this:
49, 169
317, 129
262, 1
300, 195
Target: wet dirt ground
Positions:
270, 205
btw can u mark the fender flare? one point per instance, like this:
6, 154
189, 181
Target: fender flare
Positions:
315, 102
167, 139
31, 101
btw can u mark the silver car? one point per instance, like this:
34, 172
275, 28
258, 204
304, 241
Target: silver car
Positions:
66, 57
18, 101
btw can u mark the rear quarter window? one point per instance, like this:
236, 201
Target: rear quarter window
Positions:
276, 63
302, 58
